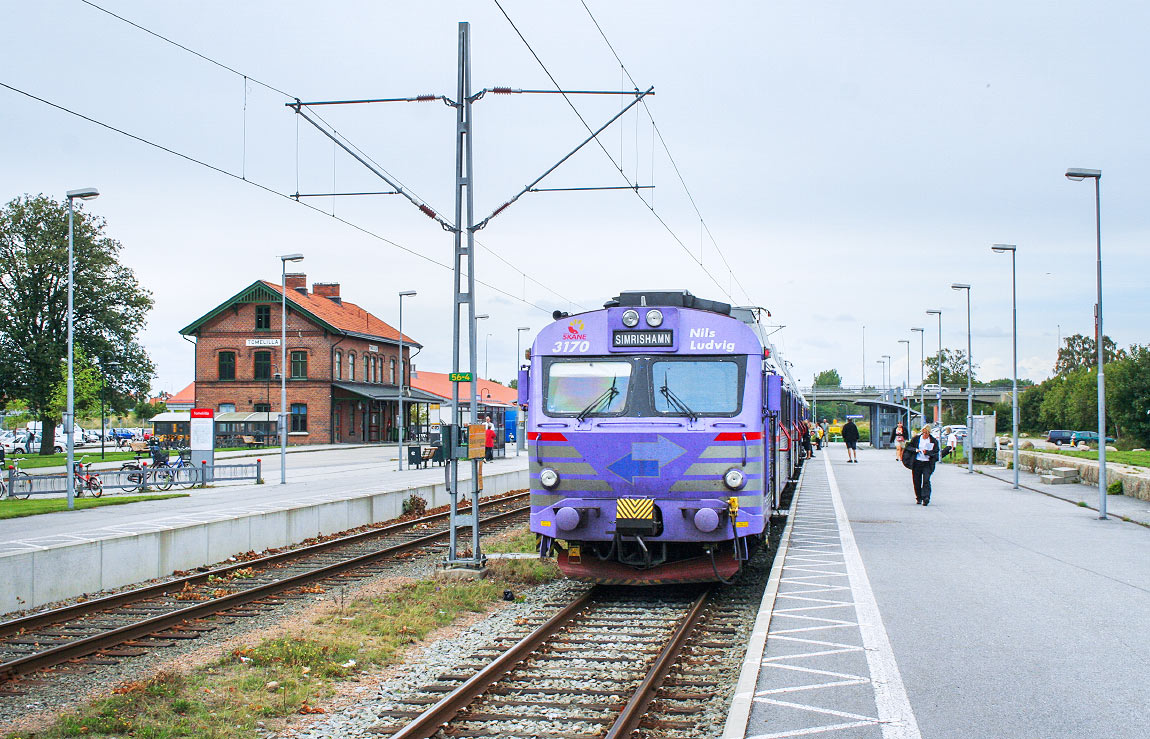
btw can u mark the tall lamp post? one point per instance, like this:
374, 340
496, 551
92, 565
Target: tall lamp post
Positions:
886, 378
103, 396
907, 387
967, 448
84, 193
1078, 175
520, 424
1012, 249
284, 259
921, 376
400, 426
475, 399
938, 421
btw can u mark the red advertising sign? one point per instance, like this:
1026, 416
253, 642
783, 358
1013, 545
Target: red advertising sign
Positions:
203, 413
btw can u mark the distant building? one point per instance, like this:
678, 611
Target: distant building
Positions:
184, 400
494, 400
342, 365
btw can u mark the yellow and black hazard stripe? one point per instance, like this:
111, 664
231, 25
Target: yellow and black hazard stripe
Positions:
642, 509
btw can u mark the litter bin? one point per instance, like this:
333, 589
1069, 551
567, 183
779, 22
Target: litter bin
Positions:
414, 456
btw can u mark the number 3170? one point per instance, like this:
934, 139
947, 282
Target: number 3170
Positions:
571, 346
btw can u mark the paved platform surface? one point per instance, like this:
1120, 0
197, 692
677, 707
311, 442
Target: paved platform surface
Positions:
315, 477
990, 613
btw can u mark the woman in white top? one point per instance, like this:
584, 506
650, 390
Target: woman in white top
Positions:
926, 455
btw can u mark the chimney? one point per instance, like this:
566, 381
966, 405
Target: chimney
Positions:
296, 281
329, 290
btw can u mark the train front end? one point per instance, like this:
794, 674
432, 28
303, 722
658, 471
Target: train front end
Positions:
645, 433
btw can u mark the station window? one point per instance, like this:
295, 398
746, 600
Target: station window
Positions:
263, 408
337, 368
227, 407
299, 365
351, 365
367, 369
299, 416
227, 365
392, 371
263, 317
263, 366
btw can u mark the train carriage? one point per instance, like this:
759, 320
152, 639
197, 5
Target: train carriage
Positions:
660, 433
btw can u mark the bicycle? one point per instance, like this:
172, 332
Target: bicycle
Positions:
137, 476
86, 479
21, 483
163, 472
186, 479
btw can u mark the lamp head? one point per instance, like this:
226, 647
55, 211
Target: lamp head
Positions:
959, 286
920, 330
481, 316
1002, 248
291, 257
407, 293
904, 341
1078, 174
934, 313
523, 328
84, 193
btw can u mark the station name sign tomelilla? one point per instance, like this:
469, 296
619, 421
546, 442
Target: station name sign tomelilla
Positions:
460, 377
643, 338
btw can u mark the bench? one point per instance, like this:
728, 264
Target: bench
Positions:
249, 441
139, 447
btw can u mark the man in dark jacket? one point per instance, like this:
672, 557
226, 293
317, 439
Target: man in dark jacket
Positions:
851, 438
925, 450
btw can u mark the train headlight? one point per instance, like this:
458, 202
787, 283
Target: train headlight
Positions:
630, 318
654, 318
548, 477
734, 478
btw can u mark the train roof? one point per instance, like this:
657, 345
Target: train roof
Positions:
671, 298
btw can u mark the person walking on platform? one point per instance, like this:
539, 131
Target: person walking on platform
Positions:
805, 436
851, 439
925, 450
489, 443
898, 438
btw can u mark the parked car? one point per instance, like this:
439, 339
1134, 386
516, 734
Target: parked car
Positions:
958, 429
30, 444
1091, 437
932, 388
1058, 437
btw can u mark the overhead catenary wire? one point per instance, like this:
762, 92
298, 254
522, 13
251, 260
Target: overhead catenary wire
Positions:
618, 166
265, 188
352, 145
667, 151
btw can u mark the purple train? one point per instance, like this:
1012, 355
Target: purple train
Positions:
660, 438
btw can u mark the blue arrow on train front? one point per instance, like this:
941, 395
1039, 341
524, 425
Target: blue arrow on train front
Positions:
646, 459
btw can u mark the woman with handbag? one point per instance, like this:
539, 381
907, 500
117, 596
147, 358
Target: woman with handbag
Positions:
920, 455
898, 438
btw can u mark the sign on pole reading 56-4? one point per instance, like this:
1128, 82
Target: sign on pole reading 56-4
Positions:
460, 377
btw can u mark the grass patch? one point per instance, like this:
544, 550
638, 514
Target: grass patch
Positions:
527, 571
278, 678
1136, 459
33, 461
1082, 504
13, 508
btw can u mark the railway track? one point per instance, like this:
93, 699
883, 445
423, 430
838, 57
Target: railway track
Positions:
130, 623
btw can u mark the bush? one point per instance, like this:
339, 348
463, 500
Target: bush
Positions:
1114, 488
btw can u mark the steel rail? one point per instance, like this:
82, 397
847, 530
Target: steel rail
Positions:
88, 645
632, 714
57, 615
428, 723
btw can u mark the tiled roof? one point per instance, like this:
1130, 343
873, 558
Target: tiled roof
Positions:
437, 383
187, 395
344, 316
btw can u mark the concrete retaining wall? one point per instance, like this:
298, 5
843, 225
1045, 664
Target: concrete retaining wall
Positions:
69, 569
1135, 480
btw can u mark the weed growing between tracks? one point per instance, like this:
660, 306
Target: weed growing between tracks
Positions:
14, 508
266, 683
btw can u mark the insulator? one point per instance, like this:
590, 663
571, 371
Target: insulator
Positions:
427, 211
500, 209
425, 98
501, 90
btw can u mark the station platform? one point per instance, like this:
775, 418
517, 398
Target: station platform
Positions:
992, 612
61, 555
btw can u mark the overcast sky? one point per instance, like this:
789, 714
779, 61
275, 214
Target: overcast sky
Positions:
851, 160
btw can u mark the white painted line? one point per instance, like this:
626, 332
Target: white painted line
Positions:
739, 712
813, 730
894, 709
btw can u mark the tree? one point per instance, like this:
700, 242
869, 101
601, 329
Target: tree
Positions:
109, 305
1082, 351
146, 411
828, 378
1128, 395
953, 367
86, 388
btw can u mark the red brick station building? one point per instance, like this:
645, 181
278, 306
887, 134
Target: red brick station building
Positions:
342, 362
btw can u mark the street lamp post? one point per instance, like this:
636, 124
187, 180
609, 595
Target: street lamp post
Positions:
886, 377
475, 381
520, 424
921, 376
907, 386
103, 397
967, 448
1012, 249
284, 259
486, 356
84, 193
938, 421
400, 426
1078, 175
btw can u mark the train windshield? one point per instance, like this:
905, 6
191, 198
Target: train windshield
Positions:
587, 388
705, 387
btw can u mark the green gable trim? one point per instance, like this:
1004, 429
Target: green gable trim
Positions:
257, 292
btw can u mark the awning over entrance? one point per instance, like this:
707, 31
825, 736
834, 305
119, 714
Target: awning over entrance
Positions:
386, 392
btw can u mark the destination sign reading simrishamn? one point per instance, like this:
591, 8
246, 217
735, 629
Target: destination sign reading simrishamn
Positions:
643, 338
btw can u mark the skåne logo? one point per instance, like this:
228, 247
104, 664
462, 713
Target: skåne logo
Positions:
575, 330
